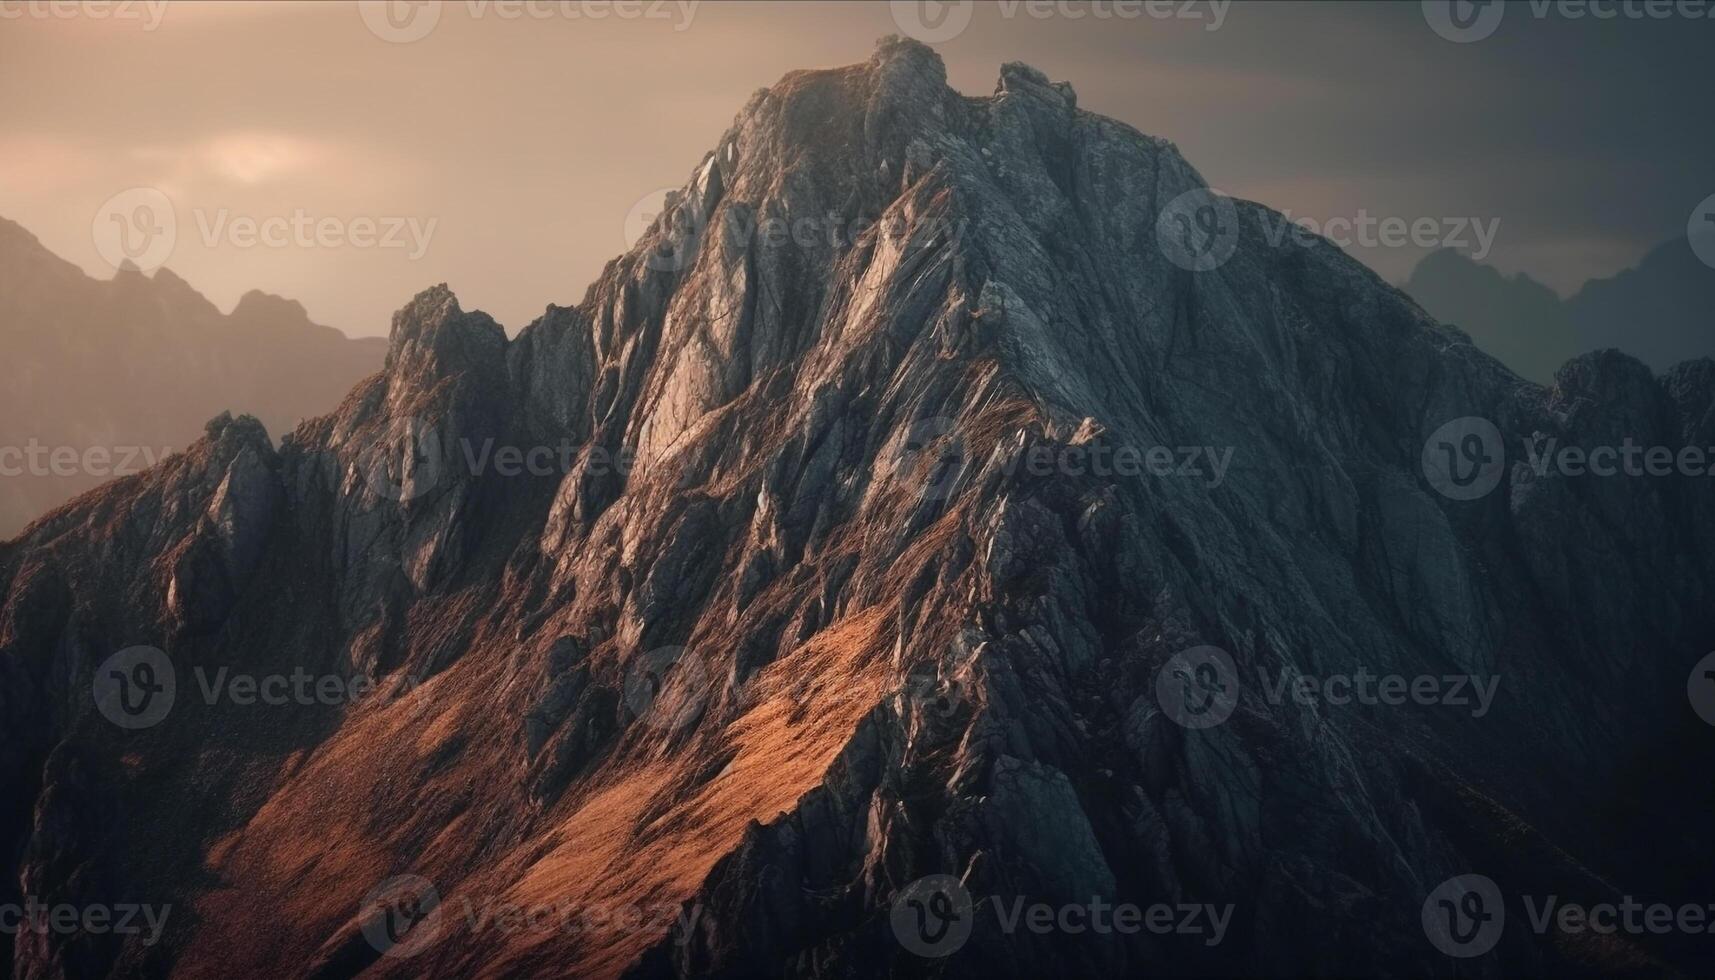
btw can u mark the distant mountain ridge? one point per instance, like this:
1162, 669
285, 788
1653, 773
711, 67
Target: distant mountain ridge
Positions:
108, 374
1658, 312
872, 651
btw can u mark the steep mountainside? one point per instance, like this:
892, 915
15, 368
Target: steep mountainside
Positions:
1659, 312
842, 583
133, 366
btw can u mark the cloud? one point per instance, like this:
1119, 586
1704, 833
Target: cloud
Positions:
259, 157
40, 163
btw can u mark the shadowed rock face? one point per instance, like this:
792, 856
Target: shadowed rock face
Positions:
828, 592
115, 374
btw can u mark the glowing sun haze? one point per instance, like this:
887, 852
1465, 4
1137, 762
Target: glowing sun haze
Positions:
518, 145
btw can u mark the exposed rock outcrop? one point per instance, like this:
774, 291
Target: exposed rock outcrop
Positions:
833, 578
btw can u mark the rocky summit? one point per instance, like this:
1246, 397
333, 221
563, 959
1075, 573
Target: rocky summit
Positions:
952, 542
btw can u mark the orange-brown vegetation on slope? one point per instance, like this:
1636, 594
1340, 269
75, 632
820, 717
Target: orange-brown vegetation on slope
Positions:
617, 852
373, 803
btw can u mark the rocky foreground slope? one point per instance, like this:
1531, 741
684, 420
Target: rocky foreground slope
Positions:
847, 565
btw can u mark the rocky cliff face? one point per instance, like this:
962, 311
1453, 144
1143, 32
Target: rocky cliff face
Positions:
871, 522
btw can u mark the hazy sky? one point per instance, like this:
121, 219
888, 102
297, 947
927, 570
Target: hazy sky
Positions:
508, 144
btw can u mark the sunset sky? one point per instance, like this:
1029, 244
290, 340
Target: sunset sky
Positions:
508, 150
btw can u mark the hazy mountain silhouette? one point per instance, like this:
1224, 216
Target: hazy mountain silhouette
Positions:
878, 637
1662, 312
136, 363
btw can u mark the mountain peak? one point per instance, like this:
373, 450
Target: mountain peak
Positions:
29, 261
1018, 77
931, 524
895, 49
15, 235
431, 332
257, 306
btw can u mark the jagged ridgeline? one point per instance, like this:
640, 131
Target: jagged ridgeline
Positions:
856, 557
104, 377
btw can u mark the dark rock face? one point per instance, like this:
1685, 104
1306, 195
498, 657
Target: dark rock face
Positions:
834, 580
